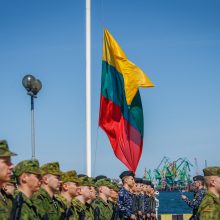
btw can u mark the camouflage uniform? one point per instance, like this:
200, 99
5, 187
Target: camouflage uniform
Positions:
104, 207
47, 207
209, 209
82, 210
66, 207
5, 200
5, 205
28, 210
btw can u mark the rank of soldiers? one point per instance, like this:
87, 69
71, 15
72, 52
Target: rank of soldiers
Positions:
30, 191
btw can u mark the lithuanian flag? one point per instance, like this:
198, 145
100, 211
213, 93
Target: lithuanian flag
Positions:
121, 114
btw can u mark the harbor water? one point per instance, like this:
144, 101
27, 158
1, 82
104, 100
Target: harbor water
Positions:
171, 203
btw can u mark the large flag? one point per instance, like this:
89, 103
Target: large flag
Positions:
121, 114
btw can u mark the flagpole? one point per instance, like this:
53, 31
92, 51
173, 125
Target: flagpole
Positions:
88, 87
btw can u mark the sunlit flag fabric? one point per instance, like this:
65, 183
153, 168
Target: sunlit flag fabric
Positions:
121, 114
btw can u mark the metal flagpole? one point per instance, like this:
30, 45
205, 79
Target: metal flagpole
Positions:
88, 87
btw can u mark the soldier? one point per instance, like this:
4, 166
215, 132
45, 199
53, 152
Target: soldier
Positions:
28, 176
6, 168
113, 198
209, 208
152, 203
93, 195
125, 197
139, 198
101, 202
70, 182
146, 190
199, 193
79, 202
44, 199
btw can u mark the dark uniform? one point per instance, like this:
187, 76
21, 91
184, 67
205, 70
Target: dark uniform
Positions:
194, 204
198, 196
125, 203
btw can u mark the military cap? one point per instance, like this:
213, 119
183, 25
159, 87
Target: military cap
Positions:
198, 178
27, 166
147, 182
126, 173
103, 182
4, 149
211, 171
114, 186
91, 181
85, 181
138, 180
51, 168
82, 175
100, 177
70, 176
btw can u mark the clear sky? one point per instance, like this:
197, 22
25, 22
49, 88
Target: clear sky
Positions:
175, 42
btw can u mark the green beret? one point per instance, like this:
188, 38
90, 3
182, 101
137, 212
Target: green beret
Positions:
211, 171
103, 182
51, 168
27, 166
70, 176
4, 150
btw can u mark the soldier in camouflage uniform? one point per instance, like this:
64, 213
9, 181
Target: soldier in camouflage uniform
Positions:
6, 168
199, 193
28, 176
125, 197
93, 195
113, 199
70, 182
209, 208
79, 202
103, 187
44, 199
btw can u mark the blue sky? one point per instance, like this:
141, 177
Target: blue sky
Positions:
176, 43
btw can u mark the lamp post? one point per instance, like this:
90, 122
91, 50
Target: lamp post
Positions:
33, 86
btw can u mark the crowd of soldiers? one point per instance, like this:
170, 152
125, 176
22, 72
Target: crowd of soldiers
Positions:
30, 191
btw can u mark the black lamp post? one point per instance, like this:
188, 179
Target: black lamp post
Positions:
33, 86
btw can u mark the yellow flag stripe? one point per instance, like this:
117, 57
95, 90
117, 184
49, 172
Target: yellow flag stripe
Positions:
133, 76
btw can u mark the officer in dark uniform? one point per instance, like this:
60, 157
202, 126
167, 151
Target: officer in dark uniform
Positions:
199, 193
125, 197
